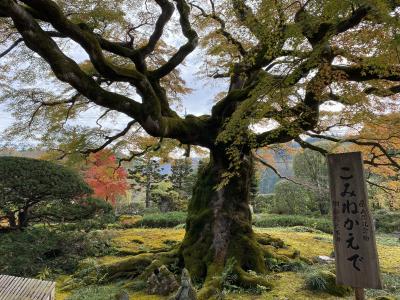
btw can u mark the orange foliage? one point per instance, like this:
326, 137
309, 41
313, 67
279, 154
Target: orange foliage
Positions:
105, 177
385, 131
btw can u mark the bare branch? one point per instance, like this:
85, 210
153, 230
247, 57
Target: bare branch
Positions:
363, 142
266, 164
8, 50
111, 138
308, 145
385, 189
102, 116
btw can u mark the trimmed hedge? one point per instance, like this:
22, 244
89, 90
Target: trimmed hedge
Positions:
175, 218
272, 220
162, 220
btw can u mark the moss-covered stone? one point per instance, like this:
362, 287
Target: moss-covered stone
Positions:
266, 239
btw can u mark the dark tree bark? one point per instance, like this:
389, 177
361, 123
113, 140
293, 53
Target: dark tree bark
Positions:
23, 218
148, 187
219, 226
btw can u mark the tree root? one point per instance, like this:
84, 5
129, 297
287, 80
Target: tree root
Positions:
140, 266
220, 276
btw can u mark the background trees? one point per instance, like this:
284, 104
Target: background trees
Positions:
311, 170
182, 176
39, 191
146, 174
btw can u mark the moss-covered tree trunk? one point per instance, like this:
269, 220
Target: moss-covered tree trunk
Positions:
219, 230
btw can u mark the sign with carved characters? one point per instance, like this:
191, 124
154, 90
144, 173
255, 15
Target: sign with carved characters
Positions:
356, 256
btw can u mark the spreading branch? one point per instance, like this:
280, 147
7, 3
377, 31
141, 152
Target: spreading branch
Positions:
111, 139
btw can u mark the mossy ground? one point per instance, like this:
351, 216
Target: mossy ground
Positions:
286, 285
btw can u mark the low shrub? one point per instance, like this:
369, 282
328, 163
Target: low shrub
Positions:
47, 252
391, 288
100, 222
325, 281
163, 220
387, 221
262, 202
127, 221
271, 220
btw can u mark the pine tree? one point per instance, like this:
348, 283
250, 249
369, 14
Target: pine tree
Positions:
182, 176
146, 173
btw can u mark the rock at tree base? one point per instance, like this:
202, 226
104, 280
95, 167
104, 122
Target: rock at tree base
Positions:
161, 282
186, 290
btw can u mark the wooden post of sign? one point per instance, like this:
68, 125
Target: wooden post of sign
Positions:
354, 238
359, 293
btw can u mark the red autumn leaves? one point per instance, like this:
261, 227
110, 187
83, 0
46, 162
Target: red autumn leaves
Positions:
107, 179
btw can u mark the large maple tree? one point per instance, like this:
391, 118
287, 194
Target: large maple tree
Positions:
285, 62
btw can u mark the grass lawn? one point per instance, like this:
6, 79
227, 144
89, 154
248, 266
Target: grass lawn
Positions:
287, 285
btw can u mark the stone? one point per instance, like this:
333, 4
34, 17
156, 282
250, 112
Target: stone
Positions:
323, 259
186, 290
296, 254
161, 282
122, 296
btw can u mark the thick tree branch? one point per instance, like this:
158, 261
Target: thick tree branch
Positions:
186, 49
167, 9
383, 92
325, 30
361, 73
63, 67
87, 39
309, 110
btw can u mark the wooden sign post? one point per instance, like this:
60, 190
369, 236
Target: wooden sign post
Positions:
357, 262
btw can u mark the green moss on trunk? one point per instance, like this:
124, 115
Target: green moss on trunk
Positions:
219, 228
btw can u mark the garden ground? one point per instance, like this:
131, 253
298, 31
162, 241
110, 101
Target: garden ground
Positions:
286, 285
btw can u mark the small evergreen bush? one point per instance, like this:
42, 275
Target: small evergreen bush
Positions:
37, 250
